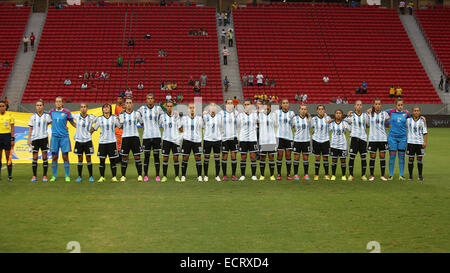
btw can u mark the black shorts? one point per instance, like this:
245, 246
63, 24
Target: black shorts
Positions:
285, 144
211, 145
230, 145
357, 145
40, 144
108, 149
188, 146
321, 148
302, 147
168, 146
151, 143
5, 141
83, 148
375, 146
337, 153
130, 144
415, 149
248, 147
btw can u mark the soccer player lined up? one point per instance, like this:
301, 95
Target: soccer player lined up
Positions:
247, 122
38, 139
129, 120
151, 137
229, 139
83, 140
267, 122
302, 141
6, 137
191, 126
321, 140
358, 139
417, 142
119, 109
378, 120
60, 137
338, 145
212, 139
107, 146
285, 137
170, 122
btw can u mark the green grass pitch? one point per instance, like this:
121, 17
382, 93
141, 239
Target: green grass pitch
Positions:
250, 216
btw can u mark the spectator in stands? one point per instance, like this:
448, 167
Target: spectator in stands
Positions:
67, 82
264, 96
163, 86
86, 75
266, 81
139, 61
225, 19
325, 79
84, 85
226, 53
235, 101
345, 101
244, 80
25, 43
191, 81
101, 3
219, 18
230, 38
32, 39
119, 61
298, 97
401, 6
398, 92
347, 3
187, 3
392, 92
104, 75
131, 42
128, 93
250, 79
162, 53
226, 83
162, 3
353, 4
305, 98
197, 88
234, 5
203, 79
140, 86
364, 87
180, 97
410, 7
93, 86
5, 64
446, 84
333, 100
259, 79
223, 35
174, 86
96, 75
339, 100
272, 82
441, 83
147, 36
168, 97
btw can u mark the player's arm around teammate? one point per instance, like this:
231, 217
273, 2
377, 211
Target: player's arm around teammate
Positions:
6, 137
83, 140
38, 139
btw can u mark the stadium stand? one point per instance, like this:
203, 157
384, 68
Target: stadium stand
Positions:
434, 24
13, 21
297, 44
78, 39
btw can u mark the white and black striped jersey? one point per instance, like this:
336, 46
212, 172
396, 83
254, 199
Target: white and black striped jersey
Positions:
358, 125
377, 129
213, 127
40, 125
129, 123
416, 130
284, 124
247, 124
107, 128
84, 124
267, 125
192, 128
150, 117
171, 127
302, 127
229, 124
338, 137
321, 127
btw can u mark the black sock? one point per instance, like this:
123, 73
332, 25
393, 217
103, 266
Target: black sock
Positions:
411, 167
176, 166
306, 167
146, 161
224, 167
101, 167
326, 167
382, 166
288, 166
420, 166
165, 165
138, 164
89, 166
262, 166
124, 167
271, 167
296, 167
184, 165
157, 162
217, 165
351, 164
206, 165
9, 170
343, 167
198, 164
317, 166
279, 165
80, 169
34, 166
45, 167
233, 167
363, 165
333, 167
113, 166
253, 164
372, 166
243, 166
